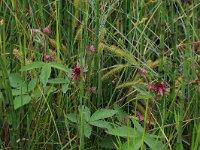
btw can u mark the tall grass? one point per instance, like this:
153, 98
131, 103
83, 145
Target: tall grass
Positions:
137, 45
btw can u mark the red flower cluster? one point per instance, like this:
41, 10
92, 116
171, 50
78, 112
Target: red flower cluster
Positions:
76, 71
159, 87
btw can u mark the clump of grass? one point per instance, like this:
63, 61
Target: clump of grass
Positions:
136, 88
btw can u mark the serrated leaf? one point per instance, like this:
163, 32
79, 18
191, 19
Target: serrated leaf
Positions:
72, 117
59, 66
19, 101
34, 65
102, 114
87, 130
101, 124
45, 74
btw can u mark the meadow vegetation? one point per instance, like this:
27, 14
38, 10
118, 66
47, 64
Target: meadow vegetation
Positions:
100, 74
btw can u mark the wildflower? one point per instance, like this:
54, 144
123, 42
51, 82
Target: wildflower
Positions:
92, 89
76, 71
49, 57
47, 30
92, 49
159, 87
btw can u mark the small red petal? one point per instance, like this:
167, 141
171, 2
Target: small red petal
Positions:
47, 30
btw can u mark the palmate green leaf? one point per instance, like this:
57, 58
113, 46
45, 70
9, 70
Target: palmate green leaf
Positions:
34, 65
101, 124
59, 66
19, 101
102, 114
45, 74
87, 130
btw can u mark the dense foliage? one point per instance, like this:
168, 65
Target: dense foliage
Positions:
100, 74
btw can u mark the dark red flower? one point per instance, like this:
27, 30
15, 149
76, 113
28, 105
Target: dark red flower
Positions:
76, 71
159, 87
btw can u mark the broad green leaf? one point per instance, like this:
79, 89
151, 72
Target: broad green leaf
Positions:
132, 143
45, 74
101, 124
34, 65
109, 142
19, 101
124, 131
59, 66
137, 125
72, 117
154, 143
86, 112
36, 94
102, 114
15, 79
65, 88
16, 92
49, 89
9, 114
32, 84
87, 130
57, 81
151, 140
120, 113
21, 89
